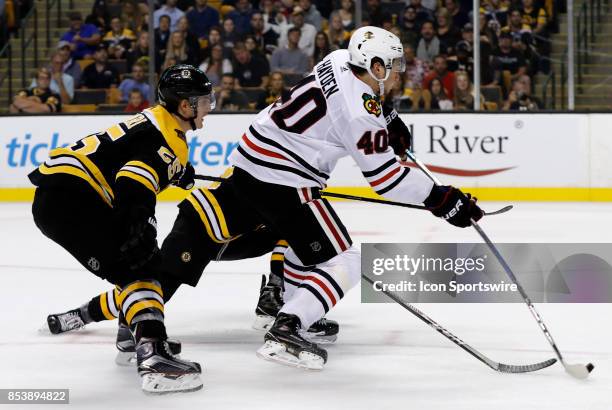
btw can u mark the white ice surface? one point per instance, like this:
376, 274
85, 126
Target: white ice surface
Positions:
384, 359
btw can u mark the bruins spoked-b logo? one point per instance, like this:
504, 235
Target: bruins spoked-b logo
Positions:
94, 264
371, 104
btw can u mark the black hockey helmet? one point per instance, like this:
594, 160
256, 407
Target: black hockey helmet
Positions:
183, 82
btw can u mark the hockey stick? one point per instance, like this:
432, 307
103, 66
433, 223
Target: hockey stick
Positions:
579, 371
361, 198
500, 367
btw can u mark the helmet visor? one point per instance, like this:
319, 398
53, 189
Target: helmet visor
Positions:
398, 65
206, 103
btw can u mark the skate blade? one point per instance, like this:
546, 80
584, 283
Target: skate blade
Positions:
159, 383
276, 352
263, 322
319, 339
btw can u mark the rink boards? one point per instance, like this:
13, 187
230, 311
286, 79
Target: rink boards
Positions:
537, 157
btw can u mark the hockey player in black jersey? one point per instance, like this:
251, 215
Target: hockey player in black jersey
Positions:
97, 200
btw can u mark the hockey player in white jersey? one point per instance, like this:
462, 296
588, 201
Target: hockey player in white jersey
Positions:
286, 157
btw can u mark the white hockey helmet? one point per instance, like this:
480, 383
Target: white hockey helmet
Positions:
371, 42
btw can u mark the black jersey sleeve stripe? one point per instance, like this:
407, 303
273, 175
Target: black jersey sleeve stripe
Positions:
292, 154
317, 295
279, 167
291, 281
331, 280
298, 267
394, 183
380, 169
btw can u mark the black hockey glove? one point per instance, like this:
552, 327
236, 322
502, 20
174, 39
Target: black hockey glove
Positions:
400, 138
186, 180
450, 203
140, 239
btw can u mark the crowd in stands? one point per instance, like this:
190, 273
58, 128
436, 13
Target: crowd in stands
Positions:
252, 50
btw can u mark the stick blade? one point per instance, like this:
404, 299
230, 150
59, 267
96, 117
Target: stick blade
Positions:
579, 371
513, 368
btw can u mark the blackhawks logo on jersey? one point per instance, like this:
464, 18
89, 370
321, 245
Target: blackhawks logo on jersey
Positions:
371, 104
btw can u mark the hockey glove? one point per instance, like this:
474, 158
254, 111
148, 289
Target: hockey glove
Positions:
400, 138
450, 203
186, 180
140, 243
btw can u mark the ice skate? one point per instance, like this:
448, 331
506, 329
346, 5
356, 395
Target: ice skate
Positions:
270, 302
126, 347
162, 372
284, 345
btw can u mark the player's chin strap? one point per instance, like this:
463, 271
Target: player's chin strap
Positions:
193, 102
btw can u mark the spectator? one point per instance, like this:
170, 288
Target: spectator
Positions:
446, 32
415, 71
250, 70
201, 18
118, 39
228, 98
270, 15
266, 40
496, 10
464, 93
290, 59
308, 32
535, 17
162, 35
100, 74
169, 9
229, 36
441, 71
374, 13
464, 57
241, 16
214, 38
133, 16
216, 65
61, 83
140, 51
338, 36
429, 45
275, 90
520, 98
409, 26
311, 14
508, 58
439, 97
99, 18
136, 102
138, 81
70, 66
322, 47
191, 40
460, 18
178, 50
347, 14
515, 26
38, 99
83, 38
423, 14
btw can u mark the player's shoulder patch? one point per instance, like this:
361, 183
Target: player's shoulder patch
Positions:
371, 104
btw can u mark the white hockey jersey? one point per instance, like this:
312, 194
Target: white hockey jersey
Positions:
330, 114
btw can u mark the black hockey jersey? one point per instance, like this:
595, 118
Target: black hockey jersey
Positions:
143, 154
